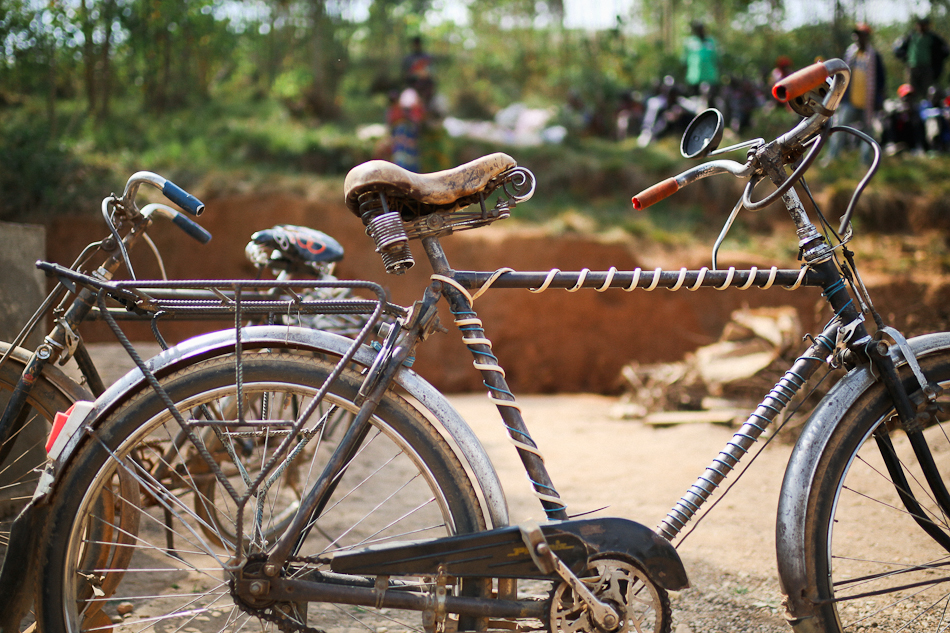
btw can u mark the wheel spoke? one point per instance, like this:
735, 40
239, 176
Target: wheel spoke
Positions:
404, 482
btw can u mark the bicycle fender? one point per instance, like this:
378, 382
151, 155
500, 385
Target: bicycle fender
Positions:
65, 385
789, 538
440, 410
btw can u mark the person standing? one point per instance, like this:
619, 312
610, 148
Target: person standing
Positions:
924, 52
405, 117
409, 107
701, 56
417, 64
865, 95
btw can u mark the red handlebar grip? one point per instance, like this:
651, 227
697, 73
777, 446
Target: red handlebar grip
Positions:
654, 194
800, 82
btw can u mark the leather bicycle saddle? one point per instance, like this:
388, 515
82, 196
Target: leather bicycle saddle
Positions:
421, 194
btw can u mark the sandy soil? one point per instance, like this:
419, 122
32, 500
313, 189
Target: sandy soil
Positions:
638, 472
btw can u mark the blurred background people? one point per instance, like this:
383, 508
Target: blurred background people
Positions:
903, 125
864, 98
924, 52
701, 56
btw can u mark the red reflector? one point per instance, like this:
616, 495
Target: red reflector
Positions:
58, 423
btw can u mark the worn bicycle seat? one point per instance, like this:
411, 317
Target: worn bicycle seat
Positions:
427, 193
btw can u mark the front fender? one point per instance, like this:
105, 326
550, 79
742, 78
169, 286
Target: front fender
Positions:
801, 470
440, 411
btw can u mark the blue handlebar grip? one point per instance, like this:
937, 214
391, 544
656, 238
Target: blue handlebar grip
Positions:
192, 228
182, 198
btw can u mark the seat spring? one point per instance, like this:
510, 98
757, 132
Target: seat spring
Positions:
392, 243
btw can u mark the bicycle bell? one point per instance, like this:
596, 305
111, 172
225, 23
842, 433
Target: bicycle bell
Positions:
703, 134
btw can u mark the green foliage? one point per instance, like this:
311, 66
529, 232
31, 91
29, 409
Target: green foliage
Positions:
40, 177
91, 90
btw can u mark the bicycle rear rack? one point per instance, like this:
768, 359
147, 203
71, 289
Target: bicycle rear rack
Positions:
242, 300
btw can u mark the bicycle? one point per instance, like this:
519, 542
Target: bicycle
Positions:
407, 467
32, 387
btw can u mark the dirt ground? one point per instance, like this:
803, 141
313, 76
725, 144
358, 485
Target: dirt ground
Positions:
627, 469
639, 472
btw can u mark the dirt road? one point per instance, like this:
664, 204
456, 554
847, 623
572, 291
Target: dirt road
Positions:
638, 472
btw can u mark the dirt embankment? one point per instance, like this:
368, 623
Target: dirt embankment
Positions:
556, 341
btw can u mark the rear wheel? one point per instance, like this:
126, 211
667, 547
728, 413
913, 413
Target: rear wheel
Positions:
25, 453
155, 556
871, 564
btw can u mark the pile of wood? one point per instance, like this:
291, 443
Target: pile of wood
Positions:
718, 383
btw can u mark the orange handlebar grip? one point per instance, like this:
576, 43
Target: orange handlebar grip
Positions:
655, 193
800, 82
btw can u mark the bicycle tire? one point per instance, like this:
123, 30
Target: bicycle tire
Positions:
19, 471
414, 487
860, 576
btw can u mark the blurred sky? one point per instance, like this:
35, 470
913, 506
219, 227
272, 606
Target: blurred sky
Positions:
599, 15
602, 14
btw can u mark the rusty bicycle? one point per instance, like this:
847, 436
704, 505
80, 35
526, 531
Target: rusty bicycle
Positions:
402, 522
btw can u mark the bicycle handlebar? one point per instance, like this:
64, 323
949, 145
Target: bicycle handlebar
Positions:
183, 199
654, 194
800, 82
789, 146
670, 186
183, 222
170, 190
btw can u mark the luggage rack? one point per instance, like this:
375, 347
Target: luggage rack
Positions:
221, 298
246, 301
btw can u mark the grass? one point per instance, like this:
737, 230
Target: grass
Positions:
583, 185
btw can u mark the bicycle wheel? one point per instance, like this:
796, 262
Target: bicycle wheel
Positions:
26, 453
873, 566
139, 557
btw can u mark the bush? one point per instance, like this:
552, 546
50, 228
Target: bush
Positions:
40, 179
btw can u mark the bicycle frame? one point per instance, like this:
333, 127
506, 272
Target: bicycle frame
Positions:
454, 287
845, 331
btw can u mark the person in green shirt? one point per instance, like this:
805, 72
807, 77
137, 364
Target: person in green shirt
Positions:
701, 57
924, 52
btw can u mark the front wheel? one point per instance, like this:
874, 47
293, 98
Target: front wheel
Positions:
870, 563
155, 555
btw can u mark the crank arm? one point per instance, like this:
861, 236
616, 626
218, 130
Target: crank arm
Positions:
602, 614
291, 590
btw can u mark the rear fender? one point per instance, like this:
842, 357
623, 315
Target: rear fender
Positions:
59, 381
439, 410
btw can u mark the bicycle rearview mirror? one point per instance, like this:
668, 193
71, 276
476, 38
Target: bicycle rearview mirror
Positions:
703, 134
